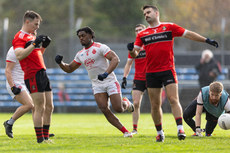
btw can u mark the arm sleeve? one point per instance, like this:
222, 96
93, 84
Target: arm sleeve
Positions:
227, 106
199, 99
76, 59
177, 31
104, 49
138, 43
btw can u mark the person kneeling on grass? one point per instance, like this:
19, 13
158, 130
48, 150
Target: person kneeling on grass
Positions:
213, 100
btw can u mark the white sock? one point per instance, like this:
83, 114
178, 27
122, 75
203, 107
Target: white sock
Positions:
161, 132
180, 127
11, 121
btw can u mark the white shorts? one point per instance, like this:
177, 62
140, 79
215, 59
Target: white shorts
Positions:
110, 88
19, 85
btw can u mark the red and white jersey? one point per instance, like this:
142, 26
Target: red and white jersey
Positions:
34, 61
95, 62
158, 43
17, 73
140, 64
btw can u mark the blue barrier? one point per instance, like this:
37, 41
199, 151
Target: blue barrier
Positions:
79, 87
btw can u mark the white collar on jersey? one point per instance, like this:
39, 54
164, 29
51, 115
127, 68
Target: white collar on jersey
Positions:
24, 32
155, 26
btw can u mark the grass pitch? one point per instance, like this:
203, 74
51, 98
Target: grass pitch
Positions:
91, 133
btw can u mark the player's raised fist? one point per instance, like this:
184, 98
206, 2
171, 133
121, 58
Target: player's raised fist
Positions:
46, 41
38, 40
58, 59
130, 46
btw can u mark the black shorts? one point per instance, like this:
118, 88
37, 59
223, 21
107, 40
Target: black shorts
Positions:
139, 85
39, 83
160, 79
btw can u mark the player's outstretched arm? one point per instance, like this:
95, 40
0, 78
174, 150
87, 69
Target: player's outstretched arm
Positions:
127, 69
69, 68
197, 37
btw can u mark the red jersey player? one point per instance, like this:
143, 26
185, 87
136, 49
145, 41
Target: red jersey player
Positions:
30, 55
139, 82
160, 68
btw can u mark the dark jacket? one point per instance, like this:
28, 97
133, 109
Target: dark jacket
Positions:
204, 69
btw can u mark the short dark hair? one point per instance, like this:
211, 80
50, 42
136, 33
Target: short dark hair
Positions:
31, 15
87, 30
150, 6
141, 25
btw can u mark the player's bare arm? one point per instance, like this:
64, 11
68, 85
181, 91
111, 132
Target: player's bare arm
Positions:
199, 110
23, 53
69, 68
194, 36
134, 52
8, 73
114, 61
128, 66
197, 37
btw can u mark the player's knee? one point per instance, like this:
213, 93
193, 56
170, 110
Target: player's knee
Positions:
173, 100
103, 108
30, 106
49, 108
136, 105
118, 109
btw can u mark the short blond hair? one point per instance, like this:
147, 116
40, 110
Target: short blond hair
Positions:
216, 87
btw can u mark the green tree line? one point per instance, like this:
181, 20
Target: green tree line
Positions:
112, 20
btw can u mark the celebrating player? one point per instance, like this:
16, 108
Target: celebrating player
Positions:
105, 86
139, 82
30, 55
160, 67
213, 100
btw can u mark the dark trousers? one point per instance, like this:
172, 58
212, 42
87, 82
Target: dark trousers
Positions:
190, 112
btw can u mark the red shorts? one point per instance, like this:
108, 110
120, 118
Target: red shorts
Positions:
39, 83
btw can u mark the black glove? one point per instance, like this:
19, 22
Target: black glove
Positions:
37, 41
101, 77
15, 90
58, 59
124, 83
130, 46
212, 42
46, 41
28, 43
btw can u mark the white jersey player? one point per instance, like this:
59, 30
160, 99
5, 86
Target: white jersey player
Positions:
95, 63
95, 57
17, 89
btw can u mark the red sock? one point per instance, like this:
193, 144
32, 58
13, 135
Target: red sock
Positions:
46, 131
39, 132
135, 127
178, 120
159, 127
123, 130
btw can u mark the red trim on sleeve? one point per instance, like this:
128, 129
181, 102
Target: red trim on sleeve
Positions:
10, 61
77, 62
107, 53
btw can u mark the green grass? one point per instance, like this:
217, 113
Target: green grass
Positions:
91, 133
